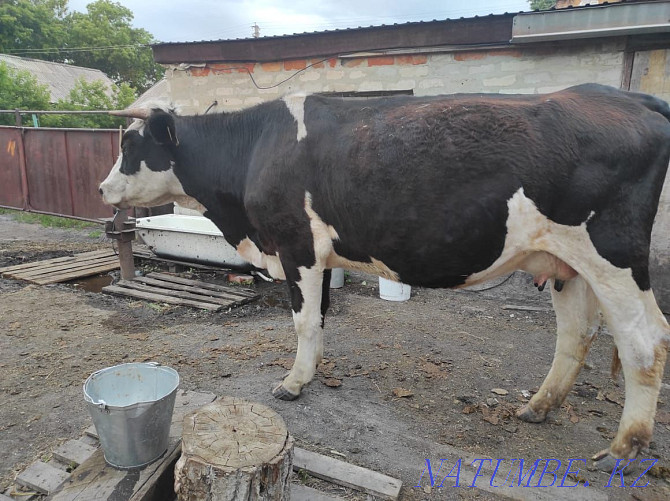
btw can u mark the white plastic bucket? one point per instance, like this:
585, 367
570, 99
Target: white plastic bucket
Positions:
337, 278
393, 291
131, 406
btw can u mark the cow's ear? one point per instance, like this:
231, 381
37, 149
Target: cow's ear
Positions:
162, 129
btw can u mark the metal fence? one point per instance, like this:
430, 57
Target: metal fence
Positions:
56, 171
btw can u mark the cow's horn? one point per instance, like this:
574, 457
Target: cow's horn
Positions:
141, 113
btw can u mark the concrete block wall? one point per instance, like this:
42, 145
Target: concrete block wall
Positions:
520, 70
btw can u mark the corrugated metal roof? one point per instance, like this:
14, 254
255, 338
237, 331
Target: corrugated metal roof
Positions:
493, 29
59, 78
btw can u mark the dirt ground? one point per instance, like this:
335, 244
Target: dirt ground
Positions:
415, 378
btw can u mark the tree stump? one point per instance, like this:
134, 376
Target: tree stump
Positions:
234, 450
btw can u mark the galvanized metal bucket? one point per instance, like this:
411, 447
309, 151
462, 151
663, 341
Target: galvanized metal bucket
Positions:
131, 406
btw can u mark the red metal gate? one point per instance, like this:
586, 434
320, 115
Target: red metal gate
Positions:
56, 170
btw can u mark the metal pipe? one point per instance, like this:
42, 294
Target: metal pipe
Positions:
86, 219
59, 112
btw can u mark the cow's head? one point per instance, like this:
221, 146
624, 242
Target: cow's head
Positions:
143, 175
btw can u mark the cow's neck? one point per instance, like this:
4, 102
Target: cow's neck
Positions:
218, 149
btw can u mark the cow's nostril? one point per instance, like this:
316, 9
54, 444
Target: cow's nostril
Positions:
100, 190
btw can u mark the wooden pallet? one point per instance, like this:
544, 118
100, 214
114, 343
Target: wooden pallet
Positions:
63, 269
171, 289
77, 470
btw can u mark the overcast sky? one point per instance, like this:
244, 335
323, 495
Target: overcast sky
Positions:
194, 20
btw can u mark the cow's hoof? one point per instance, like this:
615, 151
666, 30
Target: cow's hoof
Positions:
528, 415
604, 461
283, 394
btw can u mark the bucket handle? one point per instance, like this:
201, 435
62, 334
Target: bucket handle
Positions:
102, 405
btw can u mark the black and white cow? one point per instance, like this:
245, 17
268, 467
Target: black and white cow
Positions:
443, 191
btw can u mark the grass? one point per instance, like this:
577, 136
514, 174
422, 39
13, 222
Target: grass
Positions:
51, 221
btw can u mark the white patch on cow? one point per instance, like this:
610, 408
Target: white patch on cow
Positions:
324, 236
190, 203
308, 327
296, 105
634, 318
637, 325
145, 188
251, 253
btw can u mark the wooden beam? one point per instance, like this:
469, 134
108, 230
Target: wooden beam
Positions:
346, 474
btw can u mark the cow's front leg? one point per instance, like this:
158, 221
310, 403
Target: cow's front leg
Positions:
577, 322
309, 292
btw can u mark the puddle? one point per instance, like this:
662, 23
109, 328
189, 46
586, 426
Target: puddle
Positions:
93, 284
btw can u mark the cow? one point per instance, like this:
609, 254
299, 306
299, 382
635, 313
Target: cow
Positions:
440, 191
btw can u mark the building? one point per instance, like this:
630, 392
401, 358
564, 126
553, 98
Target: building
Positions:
59, 78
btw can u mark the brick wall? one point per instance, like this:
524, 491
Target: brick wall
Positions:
523, 70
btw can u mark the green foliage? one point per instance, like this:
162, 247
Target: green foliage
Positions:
19, 89
541, 4
91, 96
109, 24
32, 24
46, 29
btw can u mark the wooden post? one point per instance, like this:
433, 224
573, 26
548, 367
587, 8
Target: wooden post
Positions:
123, 231
126, 259
234, 450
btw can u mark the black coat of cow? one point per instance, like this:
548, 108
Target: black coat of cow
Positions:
438, 191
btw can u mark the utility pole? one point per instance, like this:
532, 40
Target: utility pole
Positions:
257, 30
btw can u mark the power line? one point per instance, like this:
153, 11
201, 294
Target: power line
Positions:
52, 50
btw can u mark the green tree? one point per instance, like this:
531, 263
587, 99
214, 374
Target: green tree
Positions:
32, 25
102, 38
108, 24
541, 4
91, 96
20, 90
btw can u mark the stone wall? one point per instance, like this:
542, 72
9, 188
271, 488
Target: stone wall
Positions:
522, 70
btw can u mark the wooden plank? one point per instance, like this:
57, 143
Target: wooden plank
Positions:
160, 298
142, 254
137, 285
42, 477
214, 287
91, 432
520, 307
55, 260
304, 493
193, 289
84, 272
65, 267
73, 452
46, 274
96, 480
348, 475
160, 484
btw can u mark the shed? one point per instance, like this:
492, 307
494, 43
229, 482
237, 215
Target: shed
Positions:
624, 44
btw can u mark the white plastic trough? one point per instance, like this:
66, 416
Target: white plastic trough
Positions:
187, 238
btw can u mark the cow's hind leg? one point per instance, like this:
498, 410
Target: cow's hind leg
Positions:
640, 332
309, 290
578, 321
